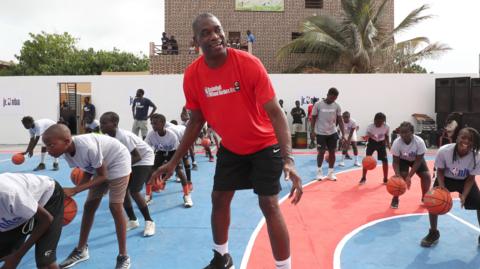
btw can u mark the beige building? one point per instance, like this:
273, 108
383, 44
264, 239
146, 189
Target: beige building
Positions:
271, 29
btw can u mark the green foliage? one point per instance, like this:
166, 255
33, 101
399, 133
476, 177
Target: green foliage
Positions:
359, 43
57, 54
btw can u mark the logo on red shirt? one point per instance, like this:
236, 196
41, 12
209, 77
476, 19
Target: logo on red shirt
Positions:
218, 90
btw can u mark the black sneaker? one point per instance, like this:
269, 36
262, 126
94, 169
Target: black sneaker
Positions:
394, 203
220, 262
362, 181
348, 157
431, 238
55, 167
123, 262
385, 181
75, 257
194, 167
41, 166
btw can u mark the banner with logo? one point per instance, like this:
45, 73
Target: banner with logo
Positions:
260, 5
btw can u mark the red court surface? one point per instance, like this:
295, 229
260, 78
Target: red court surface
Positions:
329, 211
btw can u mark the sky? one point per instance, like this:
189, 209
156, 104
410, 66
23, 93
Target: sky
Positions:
131, 25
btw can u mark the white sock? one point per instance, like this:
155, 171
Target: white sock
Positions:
330, 170
222, 249
355, 158
319, 169
285, 264
343, 158
42, 157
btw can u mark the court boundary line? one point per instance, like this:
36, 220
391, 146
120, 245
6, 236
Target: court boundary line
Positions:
253, 237
457, 218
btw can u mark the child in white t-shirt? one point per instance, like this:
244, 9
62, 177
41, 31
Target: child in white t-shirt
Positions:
35, 129
29, 205
109, 162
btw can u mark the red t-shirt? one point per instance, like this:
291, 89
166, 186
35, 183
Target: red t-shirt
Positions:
231, 99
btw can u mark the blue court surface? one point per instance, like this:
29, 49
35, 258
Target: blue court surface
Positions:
183, 236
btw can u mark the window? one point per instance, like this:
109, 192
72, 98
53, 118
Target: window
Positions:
296, 35
313, 3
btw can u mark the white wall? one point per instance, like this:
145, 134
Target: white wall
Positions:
397, 95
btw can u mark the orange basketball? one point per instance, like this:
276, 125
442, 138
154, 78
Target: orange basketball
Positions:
76, 176
438, 201
69, 210
206, 142
369, 163
396, 186
18, 158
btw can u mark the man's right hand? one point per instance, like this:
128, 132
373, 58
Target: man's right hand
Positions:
163, 173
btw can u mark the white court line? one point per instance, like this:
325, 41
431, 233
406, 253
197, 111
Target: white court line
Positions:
251, 241
464, 222
6, 160
341, 244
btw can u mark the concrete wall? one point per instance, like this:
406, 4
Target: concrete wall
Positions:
398, 96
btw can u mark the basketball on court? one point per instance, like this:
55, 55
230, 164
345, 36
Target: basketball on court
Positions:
438, 201
18, 158
396, 186
369, 163
76, 176
206, 142
69, 210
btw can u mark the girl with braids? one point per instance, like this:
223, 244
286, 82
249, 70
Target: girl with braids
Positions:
457, 164
408, 151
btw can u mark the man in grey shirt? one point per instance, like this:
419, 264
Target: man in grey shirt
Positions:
325, 116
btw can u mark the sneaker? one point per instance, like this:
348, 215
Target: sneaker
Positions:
342, 164
431, 238
348, 157
149, 228
362, 181
319, 174
211, 159
75, 257
177, 179
220, 262
187, 201
394, 203
148, 199
385, 181
55, 167
41, 166
194, 166
331, 176
132, 224
357, 164
123, 262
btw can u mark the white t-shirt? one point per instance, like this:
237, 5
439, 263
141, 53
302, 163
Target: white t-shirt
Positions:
378, 133
40, 126
20, 196
179, 130
168, 142
94, 124
461, 168
132, 141
411, 151
348, 126
93, 150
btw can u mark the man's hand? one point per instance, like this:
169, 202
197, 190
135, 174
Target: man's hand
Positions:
408, 180
28, 152
291, 174
11, 262
163, 173
463, 197
69, 192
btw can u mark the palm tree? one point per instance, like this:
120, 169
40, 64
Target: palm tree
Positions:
359, 43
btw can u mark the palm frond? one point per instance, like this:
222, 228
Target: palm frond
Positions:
412, 19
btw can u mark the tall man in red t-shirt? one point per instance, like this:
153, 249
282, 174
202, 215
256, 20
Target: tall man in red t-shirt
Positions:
232, 91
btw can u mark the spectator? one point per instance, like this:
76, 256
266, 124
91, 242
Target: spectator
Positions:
250, 37
140, 109
165, 43
192, 49
281, 105
297, 114
174, 45
88, 111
